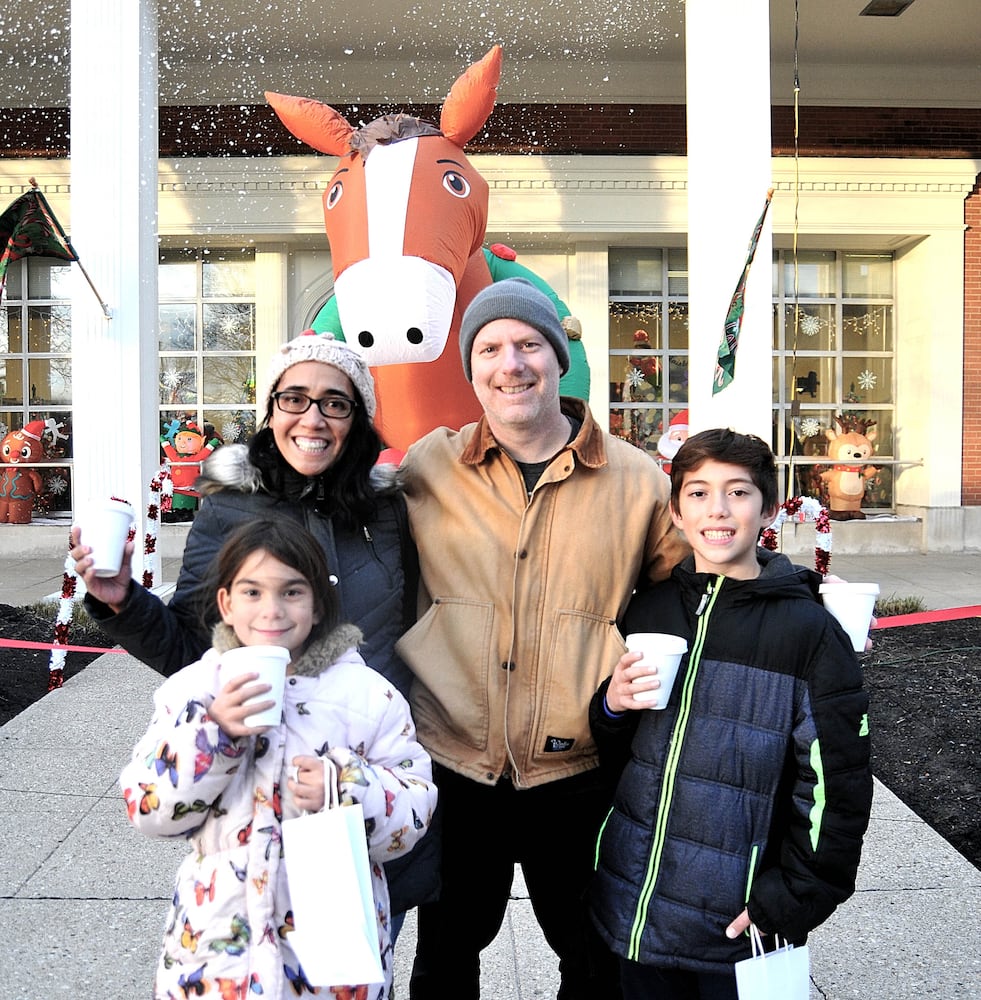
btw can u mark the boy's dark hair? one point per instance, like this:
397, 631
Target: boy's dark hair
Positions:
292, 545
721, 444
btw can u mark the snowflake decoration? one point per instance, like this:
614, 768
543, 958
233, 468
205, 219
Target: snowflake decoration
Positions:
810, 325
867, 380
635, 377
173, 379
809, 427
230, 431
57, 485
230, 324
4, 429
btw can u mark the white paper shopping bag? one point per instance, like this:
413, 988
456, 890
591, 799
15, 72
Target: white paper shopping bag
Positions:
335, 935
784, 974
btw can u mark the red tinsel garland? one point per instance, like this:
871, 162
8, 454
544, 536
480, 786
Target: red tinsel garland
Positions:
804, 509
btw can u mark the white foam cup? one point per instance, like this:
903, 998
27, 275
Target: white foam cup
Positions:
852, 604
664, 653
105, 526
270, 663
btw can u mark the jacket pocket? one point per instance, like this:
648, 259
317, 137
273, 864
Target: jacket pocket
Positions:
583, 650
449, 652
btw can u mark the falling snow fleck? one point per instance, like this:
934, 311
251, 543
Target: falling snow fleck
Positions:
867, 380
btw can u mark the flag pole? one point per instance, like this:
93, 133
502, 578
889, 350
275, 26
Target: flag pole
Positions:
61, 232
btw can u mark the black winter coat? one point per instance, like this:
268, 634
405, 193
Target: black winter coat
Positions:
751, 789
366, 560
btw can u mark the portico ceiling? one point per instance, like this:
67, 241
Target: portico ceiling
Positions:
604, 51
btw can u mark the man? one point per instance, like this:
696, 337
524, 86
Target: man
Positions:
534, 527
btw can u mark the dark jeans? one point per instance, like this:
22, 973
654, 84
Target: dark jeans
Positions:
645, 982
550, 830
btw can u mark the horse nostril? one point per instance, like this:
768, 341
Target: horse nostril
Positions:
366, 339
413, 335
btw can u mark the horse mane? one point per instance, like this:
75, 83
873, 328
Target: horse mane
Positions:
388, 129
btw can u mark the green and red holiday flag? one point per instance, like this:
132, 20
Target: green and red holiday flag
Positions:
725, 369
28, 228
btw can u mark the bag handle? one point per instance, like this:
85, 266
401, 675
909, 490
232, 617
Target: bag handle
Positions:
756, 940
332, 792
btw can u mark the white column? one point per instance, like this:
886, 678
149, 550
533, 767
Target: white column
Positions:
114, 231
272, 313
728, 96
589, 301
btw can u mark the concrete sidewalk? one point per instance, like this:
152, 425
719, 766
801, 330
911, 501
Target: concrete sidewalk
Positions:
83, 896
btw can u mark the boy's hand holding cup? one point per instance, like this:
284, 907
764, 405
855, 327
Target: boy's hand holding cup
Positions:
644, 675
852, 604
661, 657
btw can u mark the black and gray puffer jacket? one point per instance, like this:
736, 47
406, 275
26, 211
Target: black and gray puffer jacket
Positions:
751, 789
366, 560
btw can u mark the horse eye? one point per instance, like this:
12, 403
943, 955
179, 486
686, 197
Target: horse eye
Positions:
334, 194
456, 184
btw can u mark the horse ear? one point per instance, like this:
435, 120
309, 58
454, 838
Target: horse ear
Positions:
471, 99
316, 124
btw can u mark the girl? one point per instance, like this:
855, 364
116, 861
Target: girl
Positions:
202, 773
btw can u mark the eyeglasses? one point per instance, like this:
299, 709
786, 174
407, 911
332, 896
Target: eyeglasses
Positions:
336, 407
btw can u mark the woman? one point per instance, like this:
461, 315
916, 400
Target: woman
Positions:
313, 462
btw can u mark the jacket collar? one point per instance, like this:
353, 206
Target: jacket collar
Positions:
314, 660
589, 444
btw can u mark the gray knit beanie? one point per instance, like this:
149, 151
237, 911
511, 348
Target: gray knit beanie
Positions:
514, 298
311, 346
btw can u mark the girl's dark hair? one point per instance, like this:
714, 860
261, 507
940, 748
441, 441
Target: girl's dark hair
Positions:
344, 490
292, 545
724, 445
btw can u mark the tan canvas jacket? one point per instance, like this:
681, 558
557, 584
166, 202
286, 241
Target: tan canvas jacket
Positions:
520, 595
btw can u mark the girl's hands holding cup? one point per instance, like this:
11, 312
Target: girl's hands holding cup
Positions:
229, 709
111, 590
621, 691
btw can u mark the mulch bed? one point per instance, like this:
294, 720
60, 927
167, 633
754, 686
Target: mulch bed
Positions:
924, 685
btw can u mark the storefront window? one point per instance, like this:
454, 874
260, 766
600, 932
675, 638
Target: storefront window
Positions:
834, 367
207, 342
36, 379
834, 360
648, 344
206, 361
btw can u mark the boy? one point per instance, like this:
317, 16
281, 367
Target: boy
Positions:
747, 797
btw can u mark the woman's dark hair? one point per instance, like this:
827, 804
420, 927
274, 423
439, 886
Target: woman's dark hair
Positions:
344, 490
724, 445
292, 545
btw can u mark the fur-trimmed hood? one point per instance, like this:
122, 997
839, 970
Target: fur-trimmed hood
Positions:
314, 660
229, 468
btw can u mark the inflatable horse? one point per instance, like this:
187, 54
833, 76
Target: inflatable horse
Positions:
406, 215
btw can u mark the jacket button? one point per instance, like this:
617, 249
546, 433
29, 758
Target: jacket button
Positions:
523, 554
507, 665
